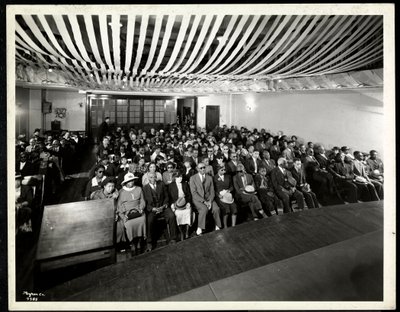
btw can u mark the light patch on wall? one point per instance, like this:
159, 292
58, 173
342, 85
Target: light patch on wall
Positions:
250, 103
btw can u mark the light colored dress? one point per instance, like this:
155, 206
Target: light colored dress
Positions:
131, 199
183, 216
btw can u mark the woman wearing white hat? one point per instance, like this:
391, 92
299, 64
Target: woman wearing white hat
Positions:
130, 212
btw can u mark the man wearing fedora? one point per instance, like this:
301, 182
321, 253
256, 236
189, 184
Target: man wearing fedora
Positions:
202, 189
156, 197
285, 186
246, 193
224, 187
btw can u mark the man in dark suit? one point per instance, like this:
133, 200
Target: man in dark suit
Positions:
223, 184
24, 167
104, 129
318, 177
298, 174
232, 164
142, 154
285, 186
240, 181
202, 188
156, 197
267, 162
253, 163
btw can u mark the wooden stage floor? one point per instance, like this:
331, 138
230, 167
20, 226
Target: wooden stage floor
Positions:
176, 272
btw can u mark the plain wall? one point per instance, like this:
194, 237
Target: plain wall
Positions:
74, 102
35, 110
224, 111
22, 99
338, 117
353, 118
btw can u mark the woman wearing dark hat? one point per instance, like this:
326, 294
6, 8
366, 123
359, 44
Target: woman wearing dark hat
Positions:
108, 190
130, 212
179, 199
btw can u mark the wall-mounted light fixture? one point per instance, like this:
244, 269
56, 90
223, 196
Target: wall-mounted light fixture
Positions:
250, 105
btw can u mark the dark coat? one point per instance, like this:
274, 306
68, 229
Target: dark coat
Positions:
173, 192
250, 166
157, 198
279, 180
220, 185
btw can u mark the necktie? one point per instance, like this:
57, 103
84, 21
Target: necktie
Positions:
244, 180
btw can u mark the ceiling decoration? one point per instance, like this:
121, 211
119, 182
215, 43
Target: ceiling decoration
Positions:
200, 53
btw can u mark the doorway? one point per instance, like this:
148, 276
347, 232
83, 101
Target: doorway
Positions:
212, 117
186, 112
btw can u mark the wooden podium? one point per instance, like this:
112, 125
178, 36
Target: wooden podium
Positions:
76, 232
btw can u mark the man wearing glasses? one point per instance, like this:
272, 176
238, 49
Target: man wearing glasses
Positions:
202, 189
232, 163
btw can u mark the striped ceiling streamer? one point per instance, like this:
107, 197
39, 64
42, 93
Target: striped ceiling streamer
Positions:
326, 32
246, 47
332, 42
119, 51
226, 47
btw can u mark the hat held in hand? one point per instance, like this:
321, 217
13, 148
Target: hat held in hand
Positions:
227, 198
180, 203
249, 189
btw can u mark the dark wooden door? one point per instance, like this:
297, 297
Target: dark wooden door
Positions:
212, 117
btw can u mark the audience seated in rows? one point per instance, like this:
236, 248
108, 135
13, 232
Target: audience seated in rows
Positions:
180, 175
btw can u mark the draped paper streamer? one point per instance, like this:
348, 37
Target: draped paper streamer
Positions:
246, 48
288, 33
93, 44
115, 28
142, 38
316, 42
226, 47
183, 55
199, 42
154, 41
275, 30
332, 43
178, 42
188, 43
164, 45
210, 40
130, 36
359, 32
104, 41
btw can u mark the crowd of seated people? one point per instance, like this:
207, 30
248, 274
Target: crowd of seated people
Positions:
42, 164
193, 180
180, 175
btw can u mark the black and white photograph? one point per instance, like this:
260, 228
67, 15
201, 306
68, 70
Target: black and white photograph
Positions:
187, 157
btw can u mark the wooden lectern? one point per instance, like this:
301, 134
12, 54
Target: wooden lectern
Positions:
76, 232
